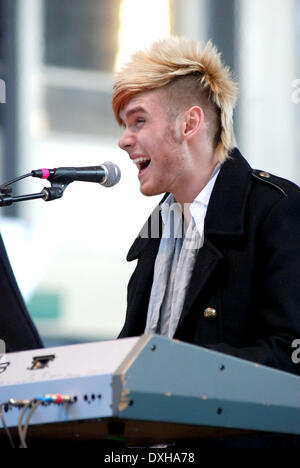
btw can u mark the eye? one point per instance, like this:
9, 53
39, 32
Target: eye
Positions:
140, 120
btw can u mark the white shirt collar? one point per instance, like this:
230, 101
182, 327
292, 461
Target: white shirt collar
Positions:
204, 196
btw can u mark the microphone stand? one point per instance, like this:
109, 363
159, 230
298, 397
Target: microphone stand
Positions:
7, 200
47, 194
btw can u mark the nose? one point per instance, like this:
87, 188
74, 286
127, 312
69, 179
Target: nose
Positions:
127, 140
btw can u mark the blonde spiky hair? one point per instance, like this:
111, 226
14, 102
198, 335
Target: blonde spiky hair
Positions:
175, 57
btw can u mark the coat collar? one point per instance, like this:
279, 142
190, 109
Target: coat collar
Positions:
226, 209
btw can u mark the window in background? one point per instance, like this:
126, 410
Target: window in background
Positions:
81, 34
84, 42
80, 46
135, 32
1, 77
8, 120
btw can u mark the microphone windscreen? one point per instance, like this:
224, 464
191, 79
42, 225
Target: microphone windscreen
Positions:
113, 174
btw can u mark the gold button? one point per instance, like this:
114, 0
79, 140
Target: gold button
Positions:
210, 313
264, 174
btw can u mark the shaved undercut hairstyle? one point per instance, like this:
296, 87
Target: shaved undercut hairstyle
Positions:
189, 75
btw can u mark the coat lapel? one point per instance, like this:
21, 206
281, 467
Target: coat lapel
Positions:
224, 218
207, 260
226, 211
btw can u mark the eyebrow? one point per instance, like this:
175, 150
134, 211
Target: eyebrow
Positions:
134, 110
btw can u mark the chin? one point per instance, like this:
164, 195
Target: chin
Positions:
150, 191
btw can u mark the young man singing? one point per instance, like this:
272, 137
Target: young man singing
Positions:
230, 281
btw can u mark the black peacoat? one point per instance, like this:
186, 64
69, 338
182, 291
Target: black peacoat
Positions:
244, 294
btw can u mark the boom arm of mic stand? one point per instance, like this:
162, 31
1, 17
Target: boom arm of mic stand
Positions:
47, 194
7, 200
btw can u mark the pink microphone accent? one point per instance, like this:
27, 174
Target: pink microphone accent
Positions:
45, 173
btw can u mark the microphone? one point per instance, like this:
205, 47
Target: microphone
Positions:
107, 174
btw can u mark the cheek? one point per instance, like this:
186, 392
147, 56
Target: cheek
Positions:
166, 153
173, 157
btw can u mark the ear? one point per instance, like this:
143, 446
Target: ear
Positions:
192, 121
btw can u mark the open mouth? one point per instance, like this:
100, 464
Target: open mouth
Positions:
142, 163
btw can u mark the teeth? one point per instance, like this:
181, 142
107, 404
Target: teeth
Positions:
139, 160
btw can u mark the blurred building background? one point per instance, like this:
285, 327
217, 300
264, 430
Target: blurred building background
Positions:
57, 59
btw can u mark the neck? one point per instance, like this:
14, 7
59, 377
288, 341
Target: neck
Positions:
186, 193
